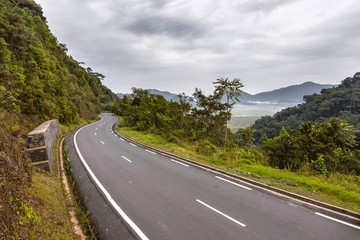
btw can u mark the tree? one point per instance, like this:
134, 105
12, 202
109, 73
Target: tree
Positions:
246, 136
231, 89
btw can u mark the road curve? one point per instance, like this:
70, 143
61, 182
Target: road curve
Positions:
162, 198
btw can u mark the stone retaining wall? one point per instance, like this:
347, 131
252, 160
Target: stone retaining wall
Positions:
40, 142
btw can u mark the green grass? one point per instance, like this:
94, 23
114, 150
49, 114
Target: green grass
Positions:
337, 189
45, 214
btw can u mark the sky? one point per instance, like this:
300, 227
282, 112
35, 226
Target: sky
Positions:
178, 45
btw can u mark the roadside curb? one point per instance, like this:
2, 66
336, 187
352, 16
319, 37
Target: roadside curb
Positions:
71, 209
354, 217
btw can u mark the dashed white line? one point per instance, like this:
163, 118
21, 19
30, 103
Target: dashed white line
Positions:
122, 139
126, 159
180, 163
102, 142
221, 213
337, 220
95, 134
150, 152
132, 144
107, 195
239, 185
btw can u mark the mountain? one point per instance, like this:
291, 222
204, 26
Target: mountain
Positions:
167, 95
341, 102
290, 95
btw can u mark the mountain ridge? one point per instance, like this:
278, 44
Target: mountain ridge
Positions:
290, 94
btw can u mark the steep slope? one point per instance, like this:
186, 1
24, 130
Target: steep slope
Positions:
342, 102
37, 77
38, 81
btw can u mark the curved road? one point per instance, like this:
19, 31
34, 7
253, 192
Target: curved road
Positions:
160, 198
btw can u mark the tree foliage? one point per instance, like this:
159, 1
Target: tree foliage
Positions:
37, 78
325, 146
341, 102
179, 120
231, 90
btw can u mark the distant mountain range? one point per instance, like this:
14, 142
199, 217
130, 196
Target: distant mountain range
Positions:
290, 95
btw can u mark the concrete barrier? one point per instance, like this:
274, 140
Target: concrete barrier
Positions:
40, 142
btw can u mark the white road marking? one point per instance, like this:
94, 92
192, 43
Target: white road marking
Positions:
221, 213
102, 142
126, 159
150, 152
122, 139
337, 220
180, 163
115, 135
132, 144
108, 196
95, 128
239, 185
95, 134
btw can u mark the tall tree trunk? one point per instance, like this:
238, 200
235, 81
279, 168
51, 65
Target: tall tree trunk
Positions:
227, 114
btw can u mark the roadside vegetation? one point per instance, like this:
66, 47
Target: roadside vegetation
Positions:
39, 81
317, 159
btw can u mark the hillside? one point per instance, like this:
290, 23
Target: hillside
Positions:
38, 81
342, 102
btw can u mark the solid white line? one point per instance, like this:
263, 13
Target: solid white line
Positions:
180, 163
337, 220
150, 151
102, 142
126, 159
132, 144
239, 185
221, 213
108, 196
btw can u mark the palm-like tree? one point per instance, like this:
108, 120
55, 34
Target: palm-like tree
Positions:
232, 91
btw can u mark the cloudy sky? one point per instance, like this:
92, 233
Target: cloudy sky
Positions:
177, 45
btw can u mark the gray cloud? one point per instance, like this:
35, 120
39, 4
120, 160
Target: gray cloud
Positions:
176, 28
177, 45
262, 5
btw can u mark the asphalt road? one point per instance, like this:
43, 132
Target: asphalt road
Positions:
159, 198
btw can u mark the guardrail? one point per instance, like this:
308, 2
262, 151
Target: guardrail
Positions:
40, 142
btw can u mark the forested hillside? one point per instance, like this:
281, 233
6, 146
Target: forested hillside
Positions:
38, 81
341, 102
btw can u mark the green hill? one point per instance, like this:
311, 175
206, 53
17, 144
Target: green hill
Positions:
38, 81
341, 102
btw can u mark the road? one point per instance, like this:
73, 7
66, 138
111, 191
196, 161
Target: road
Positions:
162, 198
